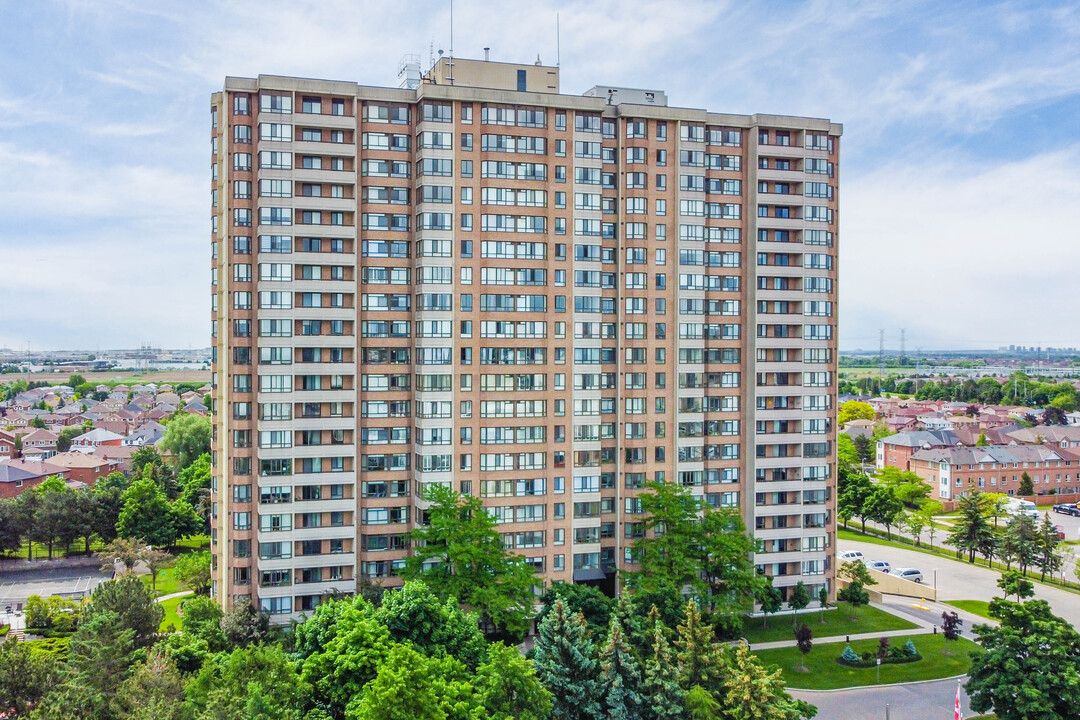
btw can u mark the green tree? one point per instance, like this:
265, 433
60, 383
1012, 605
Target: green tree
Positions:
971, 533
855, 410
1012, 582
996, 506
1029, 668
909, 487
509, 687
188, 652
1048, 558
75, 381
202, 619
664, 697
187, 436
63, 442
52, 514
154, 691
864, 446
699, 659
620, 677
154, 560
565, 660
108, 495
1026, 486
771, 601
459, 554
244, 625
132, 603
884, 507
1020, 543
982, 441
823, 602
25, 678
125, 551
12, 526
414, 614
253, 683
594, 606
798, 599
403, 689
351, 652
753, 692
687, 544
146, 514
193, 571
858, 578
101, 656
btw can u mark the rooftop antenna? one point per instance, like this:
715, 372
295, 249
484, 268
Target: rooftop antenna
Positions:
450, 73
558, 41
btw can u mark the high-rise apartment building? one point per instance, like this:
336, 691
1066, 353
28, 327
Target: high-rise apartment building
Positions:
543, 300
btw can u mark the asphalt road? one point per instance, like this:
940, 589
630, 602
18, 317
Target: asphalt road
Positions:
932, 700
961, 580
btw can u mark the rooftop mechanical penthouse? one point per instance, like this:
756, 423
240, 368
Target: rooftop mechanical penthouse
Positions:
544, 300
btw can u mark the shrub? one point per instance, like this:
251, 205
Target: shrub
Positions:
909, 649
849, 656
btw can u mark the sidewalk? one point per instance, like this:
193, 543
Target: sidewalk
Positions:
182, 593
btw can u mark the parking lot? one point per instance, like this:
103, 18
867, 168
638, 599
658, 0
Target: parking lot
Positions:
17, 586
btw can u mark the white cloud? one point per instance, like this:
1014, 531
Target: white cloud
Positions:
963, 255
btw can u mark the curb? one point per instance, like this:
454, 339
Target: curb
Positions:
874, 687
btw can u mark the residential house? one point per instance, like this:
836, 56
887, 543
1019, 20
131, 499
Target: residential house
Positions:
96, 438
955, 471
17, 476
84, 467
896, 450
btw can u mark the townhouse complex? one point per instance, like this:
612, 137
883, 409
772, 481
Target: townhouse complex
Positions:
541, 299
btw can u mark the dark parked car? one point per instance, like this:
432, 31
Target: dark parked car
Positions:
1067, 509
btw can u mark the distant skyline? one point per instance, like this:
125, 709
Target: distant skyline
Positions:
960, 163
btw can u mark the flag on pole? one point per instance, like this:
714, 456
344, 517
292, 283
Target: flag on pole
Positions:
958, 715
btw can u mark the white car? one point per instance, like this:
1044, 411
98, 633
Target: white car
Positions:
879, 565
850, 555
908, 574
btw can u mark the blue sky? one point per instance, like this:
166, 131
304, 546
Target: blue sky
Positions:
960, 164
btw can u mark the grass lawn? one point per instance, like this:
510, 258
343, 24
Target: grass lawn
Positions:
837, 622
195, 542
975, 607
171, 616
167, 584
827, 674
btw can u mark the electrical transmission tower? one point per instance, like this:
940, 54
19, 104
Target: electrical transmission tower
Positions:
903, 339
881, 353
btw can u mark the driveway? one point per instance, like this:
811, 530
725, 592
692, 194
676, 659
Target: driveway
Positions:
910, 701
958, 580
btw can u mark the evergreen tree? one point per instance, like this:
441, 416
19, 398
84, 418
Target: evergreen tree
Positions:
1026, 486
25, 677
508, 685
1048, 558
565, 661
1020, 543
663, 697
155, 691
752, 692
620, 676
972, 533
699, 660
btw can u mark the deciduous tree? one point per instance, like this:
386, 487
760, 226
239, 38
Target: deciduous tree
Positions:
459, 554
1029, 668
